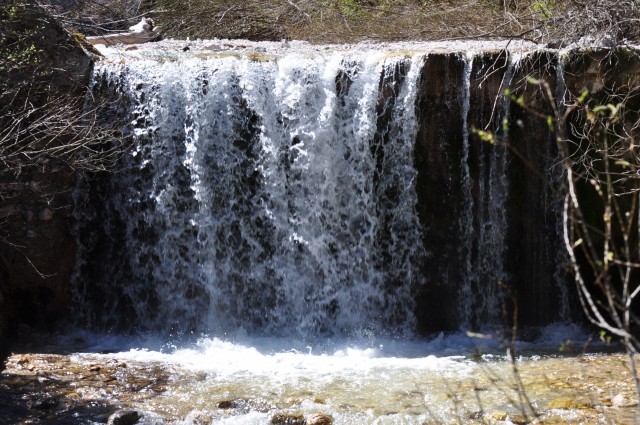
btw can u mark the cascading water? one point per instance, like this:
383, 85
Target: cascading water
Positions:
308, 193
275, 196
488, 222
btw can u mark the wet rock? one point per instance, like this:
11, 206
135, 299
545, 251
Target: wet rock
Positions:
286, 418
95, 368
45, 215
23, 359
519, 419
245, 405
475, 415
46, 403
226, 404
202, 419
124, 417
320, 419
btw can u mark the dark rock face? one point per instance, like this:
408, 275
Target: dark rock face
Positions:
535, 287
438, 159
285, 418
536, 261
37, 250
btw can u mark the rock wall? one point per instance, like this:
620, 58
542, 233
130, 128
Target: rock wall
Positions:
37, 249
532, 281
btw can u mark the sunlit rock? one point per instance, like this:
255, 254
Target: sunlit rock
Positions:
622, 400
320, 419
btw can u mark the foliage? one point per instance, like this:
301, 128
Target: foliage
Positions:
17, 44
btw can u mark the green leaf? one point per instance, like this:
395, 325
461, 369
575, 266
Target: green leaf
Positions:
505, 125
485, 136
583, 96
550, 123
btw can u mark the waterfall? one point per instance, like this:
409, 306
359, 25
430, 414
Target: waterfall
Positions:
483, 223
332, 192
563, 263
273, 196
466, 291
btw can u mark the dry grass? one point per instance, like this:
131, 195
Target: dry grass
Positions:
339, 21
344, 20
356, 20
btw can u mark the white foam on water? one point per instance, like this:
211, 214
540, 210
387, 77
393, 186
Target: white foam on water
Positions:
355, 381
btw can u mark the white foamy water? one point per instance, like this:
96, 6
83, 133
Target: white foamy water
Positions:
271, 193
372, 381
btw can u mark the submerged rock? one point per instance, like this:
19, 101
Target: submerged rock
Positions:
568, 403
245, 405
46, 403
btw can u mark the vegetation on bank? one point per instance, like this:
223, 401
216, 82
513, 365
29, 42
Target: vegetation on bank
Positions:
46, 134
339, 21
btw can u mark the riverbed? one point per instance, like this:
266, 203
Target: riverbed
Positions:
271, 381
